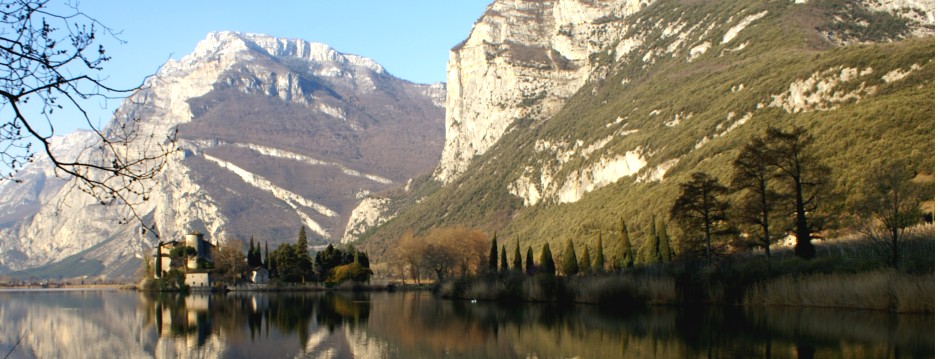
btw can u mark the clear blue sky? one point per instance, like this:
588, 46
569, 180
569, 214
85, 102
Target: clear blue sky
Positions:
411, 39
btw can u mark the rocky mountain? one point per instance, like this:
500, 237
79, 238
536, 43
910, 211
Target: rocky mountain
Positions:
565, 116
273, 134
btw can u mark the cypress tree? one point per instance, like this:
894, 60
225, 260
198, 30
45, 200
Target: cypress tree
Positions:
599, 264
266, 255
159, 260
569, 264
628, 255
587, 262
652, 250
664, 244
493, 254
529, 262
516, 263
547, 260
250, 256
504, 260
302, 247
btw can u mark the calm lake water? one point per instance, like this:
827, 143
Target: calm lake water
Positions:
127, 324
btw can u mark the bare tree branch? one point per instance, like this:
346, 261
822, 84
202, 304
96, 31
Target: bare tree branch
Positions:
50, 58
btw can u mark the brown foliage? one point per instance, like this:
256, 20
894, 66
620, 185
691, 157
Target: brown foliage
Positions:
442, 252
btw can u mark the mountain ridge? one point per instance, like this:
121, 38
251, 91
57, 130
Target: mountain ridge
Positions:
272, 134
686, 85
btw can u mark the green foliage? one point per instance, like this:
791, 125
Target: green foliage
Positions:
701, 208
547, 261
289, 267
599, 264
354, 271
504, 260
625, 255
664, 242
805, 181
493, 254
653, 245
569, 265
529, 266
516, 263
783, 47
330, 259
586, 260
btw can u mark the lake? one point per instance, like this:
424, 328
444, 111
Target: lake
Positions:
128, 324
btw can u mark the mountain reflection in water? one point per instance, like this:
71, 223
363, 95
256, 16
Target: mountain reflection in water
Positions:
77, 324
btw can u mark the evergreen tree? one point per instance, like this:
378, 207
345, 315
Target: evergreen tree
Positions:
586, 260
701, 208
652, 244
504, 260
266, 255
599, 264
304, 261
664, 243
159, 260
516, 263
529, 262
805, 182
628, 255
493, 254
547, 260
569, 264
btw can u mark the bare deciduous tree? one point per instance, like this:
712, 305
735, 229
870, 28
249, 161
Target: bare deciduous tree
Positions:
50, 64
891, 204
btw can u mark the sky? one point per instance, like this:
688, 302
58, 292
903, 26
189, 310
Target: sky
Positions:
411, 38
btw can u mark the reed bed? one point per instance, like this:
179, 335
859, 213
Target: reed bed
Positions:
879, 290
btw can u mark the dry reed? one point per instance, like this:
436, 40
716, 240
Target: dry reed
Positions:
879, 290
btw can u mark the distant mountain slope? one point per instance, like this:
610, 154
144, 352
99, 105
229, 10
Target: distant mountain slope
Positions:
273, 134
681, 90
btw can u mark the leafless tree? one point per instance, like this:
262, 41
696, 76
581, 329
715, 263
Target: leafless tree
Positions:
890, 205
50, 65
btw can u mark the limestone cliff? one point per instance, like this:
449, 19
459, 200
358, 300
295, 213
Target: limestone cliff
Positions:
273, 134
522, 60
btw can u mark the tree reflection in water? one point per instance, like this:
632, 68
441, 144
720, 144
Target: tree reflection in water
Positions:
416, 325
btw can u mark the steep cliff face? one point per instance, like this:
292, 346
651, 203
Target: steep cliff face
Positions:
522, 60
677, 87
272, 134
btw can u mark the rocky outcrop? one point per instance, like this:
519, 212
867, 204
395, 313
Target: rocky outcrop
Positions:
522, 60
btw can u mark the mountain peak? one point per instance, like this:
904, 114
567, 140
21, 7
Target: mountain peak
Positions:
222, 44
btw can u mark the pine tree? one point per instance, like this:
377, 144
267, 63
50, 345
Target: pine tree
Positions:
599, 264
569, 264
587, 262
547, 260
504, 260
493, 254
529, 262
516, 263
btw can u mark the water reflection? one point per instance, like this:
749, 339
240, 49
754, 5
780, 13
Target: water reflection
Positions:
416, 325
